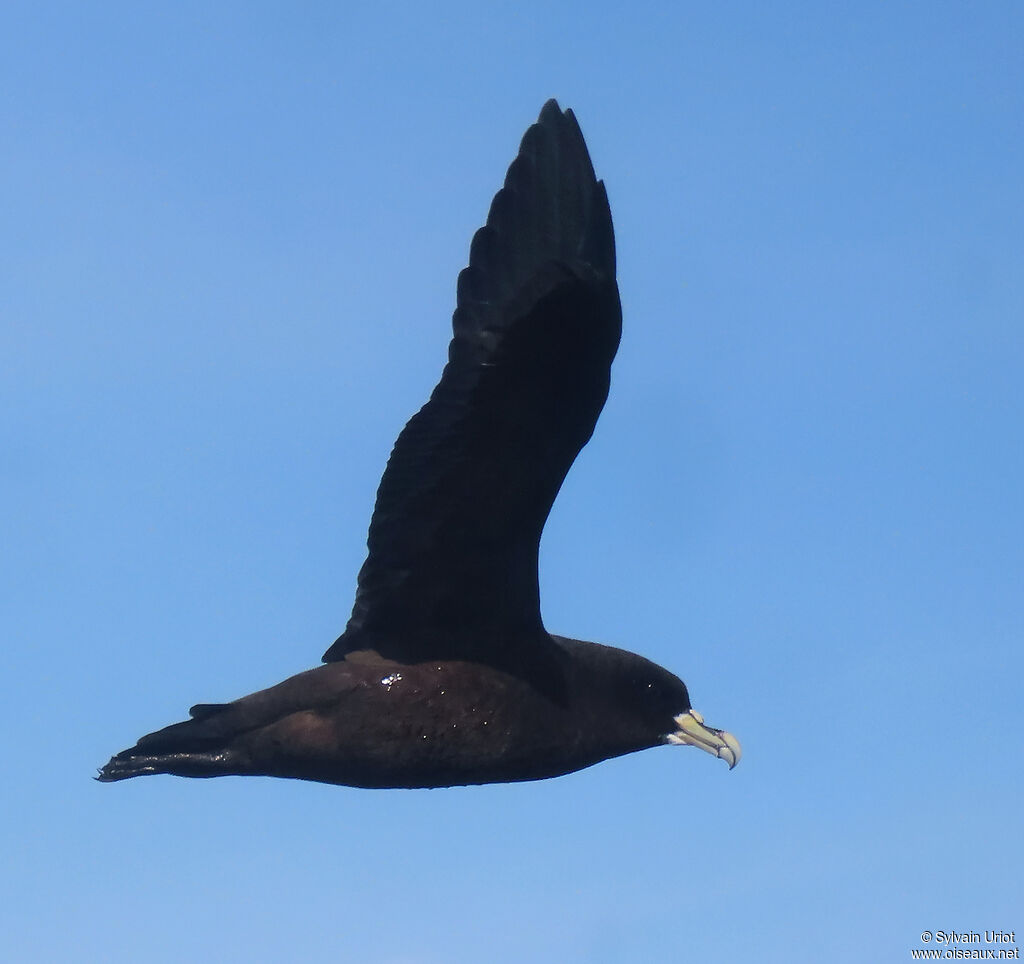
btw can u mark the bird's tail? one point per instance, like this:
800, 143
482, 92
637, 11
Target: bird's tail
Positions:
195, 748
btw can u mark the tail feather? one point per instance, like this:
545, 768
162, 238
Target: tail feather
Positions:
129, 764
220, 739
200, 747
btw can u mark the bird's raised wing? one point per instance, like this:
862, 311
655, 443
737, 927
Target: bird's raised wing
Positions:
452, 564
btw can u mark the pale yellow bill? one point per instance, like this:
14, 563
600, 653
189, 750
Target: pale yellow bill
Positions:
693, 732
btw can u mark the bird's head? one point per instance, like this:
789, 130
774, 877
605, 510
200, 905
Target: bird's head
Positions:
652, 704
677, 722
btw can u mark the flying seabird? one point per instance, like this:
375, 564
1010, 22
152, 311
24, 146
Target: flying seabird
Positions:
445, 674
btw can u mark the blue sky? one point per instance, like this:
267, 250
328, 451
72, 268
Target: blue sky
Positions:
227, 270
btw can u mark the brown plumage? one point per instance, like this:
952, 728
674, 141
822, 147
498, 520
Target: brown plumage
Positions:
445, 673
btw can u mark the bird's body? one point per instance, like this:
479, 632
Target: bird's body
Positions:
445, 674
371, 722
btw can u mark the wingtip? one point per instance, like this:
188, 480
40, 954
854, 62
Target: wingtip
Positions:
550, 208
560, 122
553, 117
549, 111
574, 124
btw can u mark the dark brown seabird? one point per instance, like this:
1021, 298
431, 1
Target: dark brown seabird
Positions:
445, 674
